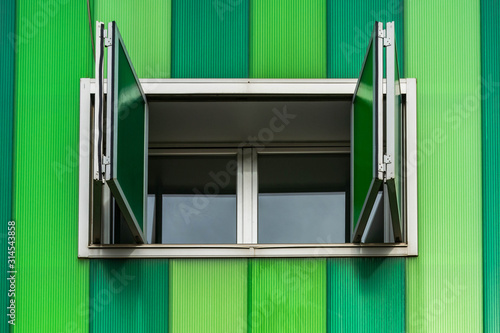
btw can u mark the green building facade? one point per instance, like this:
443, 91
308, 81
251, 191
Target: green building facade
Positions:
453, 51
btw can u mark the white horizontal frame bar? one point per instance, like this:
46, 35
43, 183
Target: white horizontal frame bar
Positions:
247, 86
248, 251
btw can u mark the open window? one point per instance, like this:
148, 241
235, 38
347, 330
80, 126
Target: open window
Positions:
376, 142
245, 168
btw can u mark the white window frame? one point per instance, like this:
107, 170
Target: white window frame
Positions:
248, 221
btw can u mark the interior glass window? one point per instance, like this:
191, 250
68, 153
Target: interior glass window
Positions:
198, 198
303, 198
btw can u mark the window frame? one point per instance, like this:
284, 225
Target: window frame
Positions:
246, 248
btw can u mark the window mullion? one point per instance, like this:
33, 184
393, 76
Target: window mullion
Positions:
248, 234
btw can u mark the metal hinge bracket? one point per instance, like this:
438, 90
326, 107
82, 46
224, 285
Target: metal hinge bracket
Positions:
107, 40
105, 161
383, 34
387, 159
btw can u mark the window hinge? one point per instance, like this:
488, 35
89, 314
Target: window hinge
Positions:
105, 161
383, 34
107, 40
382, 167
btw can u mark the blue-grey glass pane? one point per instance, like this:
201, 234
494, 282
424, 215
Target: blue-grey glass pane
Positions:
302, 197
302, 217
199, 219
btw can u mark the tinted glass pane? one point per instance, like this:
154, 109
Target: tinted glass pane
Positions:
128, 146
302, 198
189, 219
363, 136
302, 218
198, 198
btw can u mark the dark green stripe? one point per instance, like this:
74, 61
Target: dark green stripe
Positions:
490, 72
209, 38
7, 52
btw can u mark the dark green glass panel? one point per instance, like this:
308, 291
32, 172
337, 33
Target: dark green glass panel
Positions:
129, 146
363, 157
349, 26
490, 73
128, 296
210, 38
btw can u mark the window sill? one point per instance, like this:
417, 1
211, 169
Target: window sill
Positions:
248, 250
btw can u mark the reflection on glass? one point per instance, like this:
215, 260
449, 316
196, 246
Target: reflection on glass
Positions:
193, 219
197, 198
302, 198
302, 218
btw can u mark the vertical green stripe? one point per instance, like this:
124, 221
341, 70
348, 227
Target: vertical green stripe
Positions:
490, 73
209, 39
288, 296
128, 296
7, 54
208, 295
288, 39
445, 282
350, 24
366, 295
145, 27
54, 52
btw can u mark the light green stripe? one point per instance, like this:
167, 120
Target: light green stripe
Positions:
208, 295
445, 282
54, 52
288, 295
145, 27
287, 39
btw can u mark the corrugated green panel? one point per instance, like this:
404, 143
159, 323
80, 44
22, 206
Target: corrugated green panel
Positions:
366, 295
145, 27
208, 295
54, 52
350, 24
490, 61
288, 39
445, 282
7, 54
129, 296
210, 38
287, 295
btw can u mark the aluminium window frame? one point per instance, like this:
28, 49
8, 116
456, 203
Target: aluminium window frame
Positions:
246, 249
